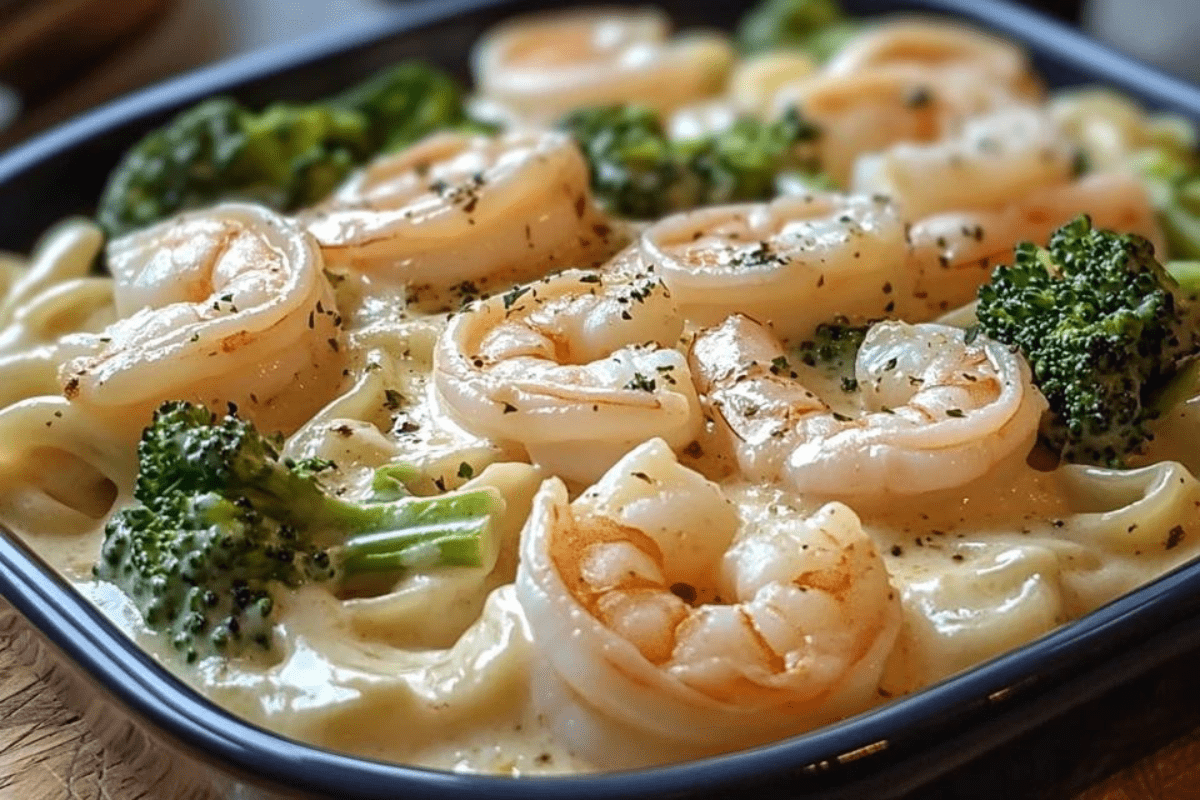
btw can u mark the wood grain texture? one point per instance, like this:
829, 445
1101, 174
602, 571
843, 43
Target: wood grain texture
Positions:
47, 750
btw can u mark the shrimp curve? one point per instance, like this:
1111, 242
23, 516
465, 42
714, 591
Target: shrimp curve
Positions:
455, 208
226, 305
538, 68
662, 622
939, 411
953, 253
993, 160
795, 262
577, 368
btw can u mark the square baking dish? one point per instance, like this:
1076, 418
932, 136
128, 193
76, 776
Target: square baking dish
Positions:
1042, 721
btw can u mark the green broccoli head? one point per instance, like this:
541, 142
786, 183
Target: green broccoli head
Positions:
818, 27
406, 103
200, 567
175, 167
1104, 328
743, 162
637, 171
634, 169
285, 156
221, 523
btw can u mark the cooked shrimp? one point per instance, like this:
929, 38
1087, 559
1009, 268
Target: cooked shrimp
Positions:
662, 623
794, 262
995, 160
538, 68
457, 208
938, 46
938, 411
227, 305
953, 253
872, 110
577, 368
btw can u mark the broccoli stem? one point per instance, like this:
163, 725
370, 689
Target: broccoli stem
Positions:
222, 523
414, 533
448, 527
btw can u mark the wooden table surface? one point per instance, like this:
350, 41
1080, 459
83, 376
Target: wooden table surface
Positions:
47, 751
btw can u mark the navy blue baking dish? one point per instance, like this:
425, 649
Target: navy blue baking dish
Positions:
1043, 721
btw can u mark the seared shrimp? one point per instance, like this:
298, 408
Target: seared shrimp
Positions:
535, 69
874, 109
456, 208
794, 262
662, 622
227, 305
939, 46
938, 411
993, 161
953, 253
577, 368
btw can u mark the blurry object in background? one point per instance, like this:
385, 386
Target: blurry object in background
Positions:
181, 35
10, 106
1161, 32
46, 44
1063, 9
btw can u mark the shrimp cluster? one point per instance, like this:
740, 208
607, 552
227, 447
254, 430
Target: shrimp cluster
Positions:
664, 619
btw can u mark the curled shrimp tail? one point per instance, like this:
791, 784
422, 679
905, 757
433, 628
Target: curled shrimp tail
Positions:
663, 622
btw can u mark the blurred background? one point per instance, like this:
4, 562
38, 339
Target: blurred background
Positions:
59, 57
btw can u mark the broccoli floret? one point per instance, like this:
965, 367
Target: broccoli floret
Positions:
818, 27
406, 103
1104, 327
286, 156
834, 348
638, 172
222, 522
